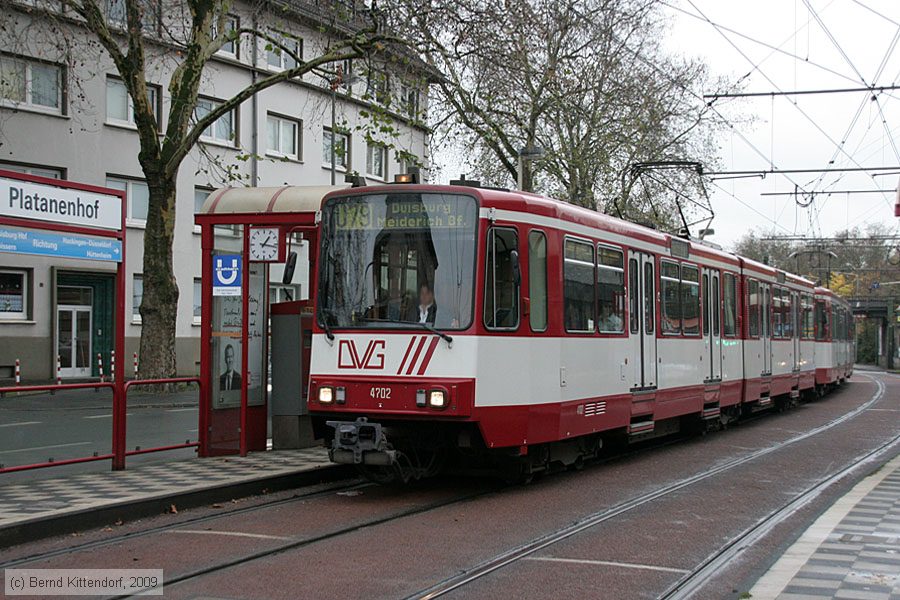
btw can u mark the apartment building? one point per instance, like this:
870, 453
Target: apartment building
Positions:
64, 113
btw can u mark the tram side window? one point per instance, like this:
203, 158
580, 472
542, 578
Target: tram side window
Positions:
649, 298
669, 287
808, 328
753, 304
537, 280
578, 287
611, 289
706, 296
821, 320
690, 300
501, 297
730, 304
778, 302
715, 304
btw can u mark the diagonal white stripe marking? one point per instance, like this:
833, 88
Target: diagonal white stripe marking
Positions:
260, 536
21, 423
607, 563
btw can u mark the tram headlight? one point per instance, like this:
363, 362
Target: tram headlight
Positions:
437, 399
326, 394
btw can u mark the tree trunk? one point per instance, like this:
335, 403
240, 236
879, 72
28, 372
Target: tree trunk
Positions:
159, 305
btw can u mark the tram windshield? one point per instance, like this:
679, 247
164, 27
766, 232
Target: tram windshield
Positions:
398, 260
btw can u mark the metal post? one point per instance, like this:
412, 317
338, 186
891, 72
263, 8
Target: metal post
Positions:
333, 137
135, 366
119, 419
245, 351
18, 373
521, 177
100, 366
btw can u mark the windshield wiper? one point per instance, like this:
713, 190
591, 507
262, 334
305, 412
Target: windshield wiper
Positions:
432, 329
427, 326
324, 323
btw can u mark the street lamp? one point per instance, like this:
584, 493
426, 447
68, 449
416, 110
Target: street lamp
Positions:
527, 153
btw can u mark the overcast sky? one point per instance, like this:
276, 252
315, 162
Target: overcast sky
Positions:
796, 132
800, 132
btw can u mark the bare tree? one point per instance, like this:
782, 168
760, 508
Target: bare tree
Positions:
586, 81
134, 35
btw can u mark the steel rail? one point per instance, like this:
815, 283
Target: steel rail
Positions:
693, 581
512, 556
312, 495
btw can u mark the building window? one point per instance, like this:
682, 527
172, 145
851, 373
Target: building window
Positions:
284, 137
120, 108
611, 289
281, 60
409, 96
198, 299
376, 160
341, 149
13, 294
501, 290
200, 196
220, 131
49, 172
137, 295
117, 14
32, 84
730, 297
136, 193
537, 280
379, 87
232, 23
578, 286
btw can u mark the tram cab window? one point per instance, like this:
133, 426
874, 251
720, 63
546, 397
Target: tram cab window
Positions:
578, 286
730, 296
611, 289
669, 287
537, 280
690, 300
501, 290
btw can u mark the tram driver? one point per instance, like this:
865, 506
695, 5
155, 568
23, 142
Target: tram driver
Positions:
426, 310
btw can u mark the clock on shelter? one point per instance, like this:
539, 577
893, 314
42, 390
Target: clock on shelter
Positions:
266, 244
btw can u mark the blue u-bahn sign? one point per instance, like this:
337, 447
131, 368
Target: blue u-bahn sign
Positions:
63, 245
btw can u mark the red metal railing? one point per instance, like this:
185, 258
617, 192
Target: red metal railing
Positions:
119, 425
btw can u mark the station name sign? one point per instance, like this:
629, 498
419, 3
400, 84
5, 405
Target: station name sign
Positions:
25, 200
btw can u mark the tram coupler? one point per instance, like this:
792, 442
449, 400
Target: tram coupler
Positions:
360, 442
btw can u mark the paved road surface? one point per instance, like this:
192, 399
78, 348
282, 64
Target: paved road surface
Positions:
78, 423
395, 542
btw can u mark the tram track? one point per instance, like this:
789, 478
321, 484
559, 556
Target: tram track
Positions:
466, 577
707, 568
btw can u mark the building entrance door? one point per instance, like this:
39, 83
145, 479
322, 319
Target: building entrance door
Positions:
73, 330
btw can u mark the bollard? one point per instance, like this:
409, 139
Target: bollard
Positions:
135, 366
18, 373
112, 365
58, 370
100, 366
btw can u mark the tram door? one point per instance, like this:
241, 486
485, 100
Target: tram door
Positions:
642, 317
766, 327
712, 323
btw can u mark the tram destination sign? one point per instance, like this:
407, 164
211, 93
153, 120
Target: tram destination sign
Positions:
439, 212
36, 201
61, 245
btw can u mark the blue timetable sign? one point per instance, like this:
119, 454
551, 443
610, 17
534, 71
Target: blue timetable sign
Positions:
63, 245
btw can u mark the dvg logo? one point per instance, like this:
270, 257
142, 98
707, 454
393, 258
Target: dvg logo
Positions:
372, 358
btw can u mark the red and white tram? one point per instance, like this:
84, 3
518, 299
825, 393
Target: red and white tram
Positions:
458, 323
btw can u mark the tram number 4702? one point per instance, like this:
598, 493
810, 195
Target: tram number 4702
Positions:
380, 393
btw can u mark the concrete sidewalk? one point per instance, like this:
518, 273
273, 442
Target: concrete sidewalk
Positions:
61, 505
851, 551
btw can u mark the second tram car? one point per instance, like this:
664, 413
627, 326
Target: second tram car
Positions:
465, 324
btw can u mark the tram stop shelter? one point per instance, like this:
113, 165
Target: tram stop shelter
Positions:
258, 259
